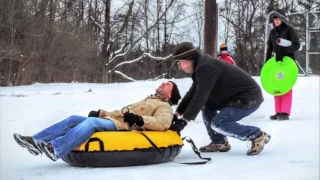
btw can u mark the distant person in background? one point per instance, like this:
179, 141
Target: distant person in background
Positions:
224, 54
282, 30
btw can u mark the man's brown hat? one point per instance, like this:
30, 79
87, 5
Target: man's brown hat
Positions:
183, 51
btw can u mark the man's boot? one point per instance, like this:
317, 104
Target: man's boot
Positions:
215, 147
27, 142
258, 143
47, 149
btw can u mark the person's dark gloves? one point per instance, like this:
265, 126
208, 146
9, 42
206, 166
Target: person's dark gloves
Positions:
94, 113
131, 119
178, 124
174, 119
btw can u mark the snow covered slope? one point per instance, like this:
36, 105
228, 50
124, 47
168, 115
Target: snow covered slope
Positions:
292, 153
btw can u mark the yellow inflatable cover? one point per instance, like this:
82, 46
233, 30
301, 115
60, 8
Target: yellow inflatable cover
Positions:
129, 140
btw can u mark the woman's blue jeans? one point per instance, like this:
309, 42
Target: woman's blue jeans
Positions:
70, 133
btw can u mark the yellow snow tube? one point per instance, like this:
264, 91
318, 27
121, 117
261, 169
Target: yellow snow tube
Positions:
125, 148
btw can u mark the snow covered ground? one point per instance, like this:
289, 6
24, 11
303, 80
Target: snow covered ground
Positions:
292, 153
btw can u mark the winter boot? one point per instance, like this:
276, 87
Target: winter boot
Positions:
258, 143
283, 116
275, 117
27, 142
214, 147
47, 149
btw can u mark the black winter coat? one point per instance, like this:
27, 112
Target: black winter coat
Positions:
218, 84
287, 32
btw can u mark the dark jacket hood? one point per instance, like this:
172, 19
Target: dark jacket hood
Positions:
280, 14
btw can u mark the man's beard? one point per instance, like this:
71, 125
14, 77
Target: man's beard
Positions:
160, 94
157, 92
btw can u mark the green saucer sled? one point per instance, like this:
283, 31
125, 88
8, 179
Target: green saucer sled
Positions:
277, 78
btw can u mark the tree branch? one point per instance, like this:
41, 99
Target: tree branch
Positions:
143, 56
235, 25
124, 25
140, 37
97, 24
125, 76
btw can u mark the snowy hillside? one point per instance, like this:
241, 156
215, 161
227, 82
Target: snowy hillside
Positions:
292, 153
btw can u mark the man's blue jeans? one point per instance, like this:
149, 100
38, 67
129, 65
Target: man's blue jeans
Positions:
222, 124
70, 133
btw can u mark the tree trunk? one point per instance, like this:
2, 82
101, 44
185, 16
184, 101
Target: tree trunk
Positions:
210, 27
227, 25
12, 43
165, 44
158, 37
106, 45
146, 19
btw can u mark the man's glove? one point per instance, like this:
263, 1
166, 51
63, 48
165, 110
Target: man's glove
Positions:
131, 119
174, 119
178, 124
94, 113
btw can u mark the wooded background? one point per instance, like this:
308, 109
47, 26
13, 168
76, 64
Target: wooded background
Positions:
49, 41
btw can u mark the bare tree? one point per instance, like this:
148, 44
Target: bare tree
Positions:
227, 10
199, 19
126, 49
68, 40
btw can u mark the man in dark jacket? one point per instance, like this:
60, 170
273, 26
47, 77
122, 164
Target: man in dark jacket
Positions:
282, 30
218, 86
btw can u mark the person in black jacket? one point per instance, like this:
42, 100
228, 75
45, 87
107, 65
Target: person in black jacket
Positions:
225, 93
282, 30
